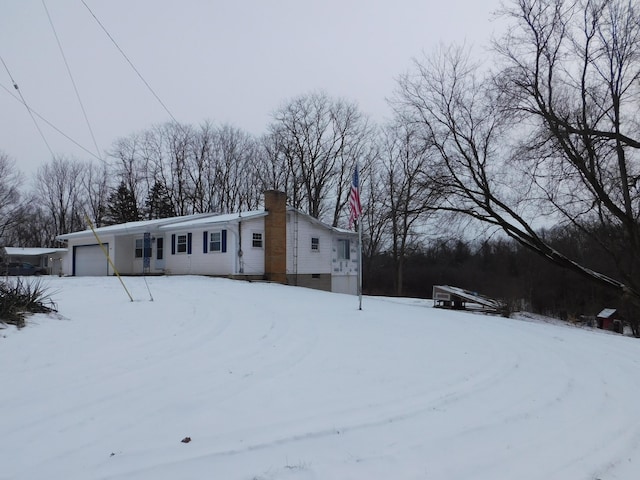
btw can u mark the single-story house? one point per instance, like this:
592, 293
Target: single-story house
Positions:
49, 258
279, 244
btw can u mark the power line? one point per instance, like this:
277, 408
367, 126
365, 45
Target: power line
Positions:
75, 88
24, 102
130, 63
31, 111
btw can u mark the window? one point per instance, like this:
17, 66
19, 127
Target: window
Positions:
140, 251
256, 240
181, 244
159, 248
215, 242
344, 250
315, 244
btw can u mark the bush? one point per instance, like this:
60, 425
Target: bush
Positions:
19, 298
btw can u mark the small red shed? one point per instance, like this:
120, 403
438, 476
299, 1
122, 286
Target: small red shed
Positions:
608, 319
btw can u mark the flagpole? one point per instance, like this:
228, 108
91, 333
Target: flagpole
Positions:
360, 265
355, 209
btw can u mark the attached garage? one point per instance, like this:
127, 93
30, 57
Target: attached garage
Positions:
89, 261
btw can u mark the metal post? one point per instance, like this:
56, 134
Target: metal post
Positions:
359, 265
106, 254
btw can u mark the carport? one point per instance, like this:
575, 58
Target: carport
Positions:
49, 258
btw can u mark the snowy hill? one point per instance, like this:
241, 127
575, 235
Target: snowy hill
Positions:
274, 382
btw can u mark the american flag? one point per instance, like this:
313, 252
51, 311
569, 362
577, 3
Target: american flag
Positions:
355, 208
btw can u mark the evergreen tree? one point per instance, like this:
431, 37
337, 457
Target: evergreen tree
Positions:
158, 204
122, 206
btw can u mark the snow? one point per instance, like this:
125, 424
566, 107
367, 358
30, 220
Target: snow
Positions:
139, 226
31, 252
199, 221
276, 382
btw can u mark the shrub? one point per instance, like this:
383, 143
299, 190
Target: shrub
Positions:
19, 298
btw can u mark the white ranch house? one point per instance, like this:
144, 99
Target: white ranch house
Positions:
279, 244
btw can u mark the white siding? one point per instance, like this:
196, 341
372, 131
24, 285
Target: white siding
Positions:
344, 284
301, 259
90, 261
252, 261
217, 263
127, 254
67, 262
344, 274
198, 262
123, 261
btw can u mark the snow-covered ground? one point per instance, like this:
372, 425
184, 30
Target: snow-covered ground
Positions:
276, 382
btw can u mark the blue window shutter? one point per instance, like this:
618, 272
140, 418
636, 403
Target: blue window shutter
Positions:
173, 244
189, 243
224, 240
205, 238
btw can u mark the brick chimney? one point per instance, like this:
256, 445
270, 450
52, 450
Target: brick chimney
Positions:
275, 236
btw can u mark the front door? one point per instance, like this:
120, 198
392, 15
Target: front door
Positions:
159, 260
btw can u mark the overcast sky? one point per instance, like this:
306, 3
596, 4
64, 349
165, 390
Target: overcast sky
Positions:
225, 61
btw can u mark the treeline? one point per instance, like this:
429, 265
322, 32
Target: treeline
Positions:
504, 270
544, 133
174, 169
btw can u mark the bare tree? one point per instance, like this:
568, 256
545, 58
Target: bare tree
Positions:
10, 182
375, 217
131, 164
408, 199
272, 163
59, 191
234, 184
179, 140
96, 186
320, 139
555, 130
33, 227
200, 160
355, 147
573, 72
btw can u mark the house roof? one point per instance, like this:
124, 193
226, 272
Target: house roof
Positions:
31, 252
131, 227
215, 220
342, 231
190, 221
607, 313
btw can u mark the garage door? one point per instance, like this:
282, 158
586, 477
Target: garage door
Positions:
89, 260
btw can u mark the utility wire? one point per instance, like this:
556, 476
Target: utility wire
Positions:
24, 102
75, 87
33, 112
130, 62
